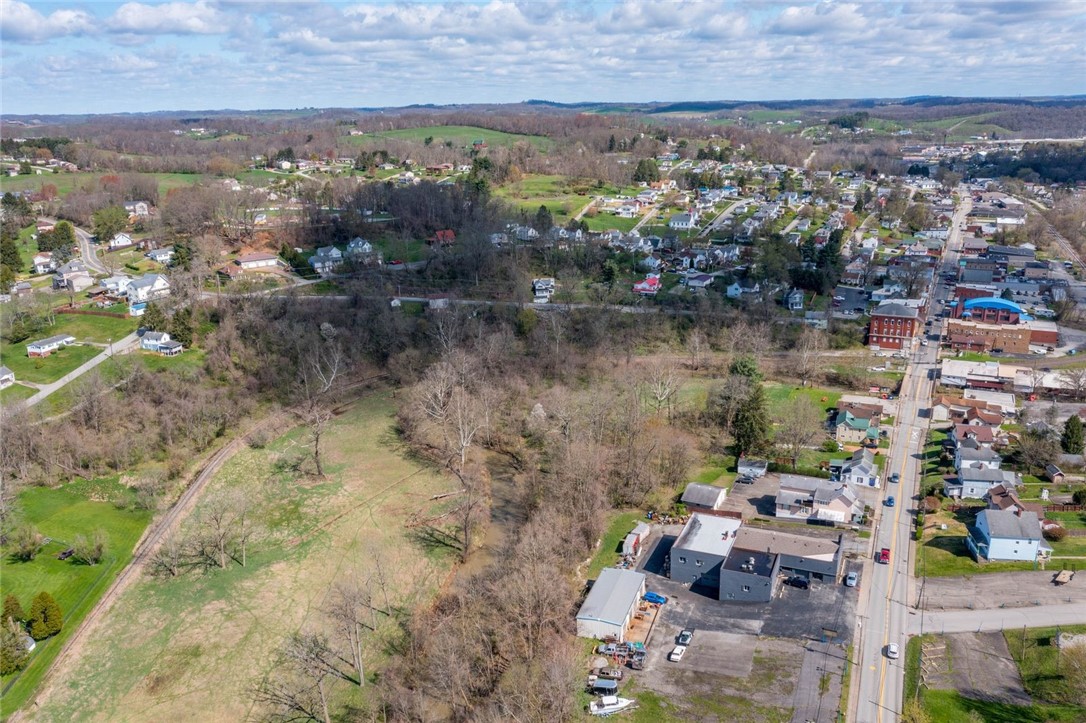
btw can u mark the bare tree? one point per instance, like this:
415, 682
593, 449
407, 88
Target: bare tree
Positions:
350, 607
800, 427
467, 421
170, 557
697, 345
218, 518
662, 384
1075, 379
297, 687
321, 369
808, 357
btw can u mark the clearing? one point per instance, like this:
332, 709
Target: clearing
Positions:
193, 647
458, 136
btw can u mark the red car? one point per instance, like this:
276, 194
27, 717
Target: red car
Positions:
884, 556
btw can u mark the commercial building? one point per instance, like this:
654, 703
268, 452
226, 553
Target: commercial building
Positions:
892, 326
963, 335
611, 604
701, 548
989, 310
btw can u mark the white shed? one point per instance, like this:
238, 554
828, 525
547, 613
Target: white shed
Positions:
611, 604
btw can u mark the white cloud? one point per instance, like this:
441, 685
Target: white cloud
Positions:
21, 23
173, 18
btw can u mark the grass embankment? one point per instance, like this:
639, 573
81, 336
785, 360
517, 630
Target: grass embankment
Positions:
194, 647
60, 514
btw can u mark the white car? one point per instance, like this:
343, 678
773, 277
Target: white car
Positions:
677, 654
893, 652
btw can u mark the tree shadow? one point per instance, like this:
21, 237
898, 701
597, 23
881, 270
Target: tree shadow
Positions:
433, 539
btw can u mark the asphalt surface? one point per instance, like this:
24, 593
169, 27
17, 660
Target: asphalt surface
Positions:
883, 617
86, 250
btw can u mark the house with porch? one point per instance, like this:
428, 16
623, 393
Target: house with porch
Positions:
860, 469
1002, 535
45, 347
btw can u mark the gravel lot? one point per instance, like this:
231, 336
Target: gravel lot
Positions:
982, 668
1001, 589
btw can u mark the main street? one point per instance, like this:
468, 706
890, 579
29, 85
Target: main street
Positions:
883, 613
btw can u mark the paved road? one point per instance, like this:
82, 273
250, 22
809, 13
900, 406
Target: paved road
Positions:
86, 249
883, 617
720, 219
118, 347
970, 621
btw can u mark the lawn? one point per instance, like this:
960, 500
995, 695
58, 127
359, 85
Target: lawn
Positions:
780, 396
194, 647
950, 705
609, 551
67, 182
16, 393
562, 196
608, 221
46, 369
943, 552
61, 514
458, 136
85, 327
1038, 661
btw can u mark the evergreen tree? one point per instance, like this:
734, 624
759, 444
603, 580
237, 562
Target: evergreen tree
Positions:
12, 610
611, 144
109, 221
154, 318
1072, 438
647, 171
745, 366
9, 255
544, 221
181, 327
13, 653
45, 616
750, 427
7, 279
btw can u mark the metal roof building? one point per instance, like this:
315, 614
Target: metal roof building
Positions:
611, 604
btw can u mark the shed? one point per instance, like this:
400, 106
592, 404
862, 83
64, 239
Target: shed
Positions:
1054, 473
610, 606
704, 497
752, 467
635, 540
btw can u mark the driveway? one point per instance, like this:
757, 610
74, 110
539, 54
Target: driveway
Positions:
90, 258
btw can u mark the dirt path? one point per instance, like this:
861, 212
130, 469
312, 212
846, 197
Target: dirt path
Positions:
144, 551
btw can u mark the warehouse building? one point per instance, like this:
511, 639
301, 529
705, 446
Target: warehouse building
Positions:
609, 609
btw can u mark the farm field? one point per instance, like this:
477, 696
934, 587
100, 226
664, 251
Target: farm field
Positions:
222, 627
459, 136
67, 182
61, 514
554, 192
47, 369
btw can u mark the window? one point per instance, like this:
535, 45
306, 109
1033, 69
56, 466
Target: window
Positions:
746, 588
697, 562
682, 560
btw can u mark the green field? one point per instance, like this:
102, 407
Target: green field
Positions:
609, 551
780, 396
47, 369
16, 393
458, 136
607, 221
98, 329
562, 197
67, 182
61, 514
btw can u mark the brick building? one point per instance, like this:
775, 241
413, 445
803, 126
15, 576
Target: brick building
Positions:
892, 326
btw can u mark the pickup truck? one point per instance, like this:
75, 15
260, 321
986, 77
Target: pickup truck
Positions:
884, 556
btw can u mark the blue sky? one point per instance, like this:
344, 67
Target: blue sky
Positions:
101, 57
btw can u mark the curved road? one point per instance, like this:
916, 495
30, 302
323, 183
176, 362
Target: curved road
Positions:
87, 251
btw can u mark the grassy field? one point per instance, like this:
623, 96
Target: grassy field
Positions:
557, 193
47, 369
780, 396
99, 329
950, 705
459, 136
1038, 661
609, 551
61, 514
67, 182
943, 552
193, 647
15, 393
608, 221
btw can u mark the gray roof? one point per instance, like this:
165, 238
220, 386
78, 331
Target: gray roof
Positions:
785, 543
703, 495
166, 345
145, 280
896, 310
5, 372
984, 474
822, 491
155, 336
58, 339
1005, 524
612, 596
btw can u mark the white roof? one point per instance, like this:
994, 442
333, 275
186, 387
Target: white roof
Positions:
709, 534
612, 596
1004, 400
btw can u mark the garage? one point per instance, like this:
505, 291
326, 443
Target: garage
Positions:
611, 604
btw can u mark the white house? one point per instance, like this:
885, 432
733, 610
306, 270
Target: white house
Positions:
153, 340
148, 288
359, 246
137, 208
793, 300
116, 285
976, 458
859, 469
45, 347
683, 221
325, 261
698, 281
7, 377
120, 241
609, 609
255, 262
161, 256
734, 290
43, 262
1006, 535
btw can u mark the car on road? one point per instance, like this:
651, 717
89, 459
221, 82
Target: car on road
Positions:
884, 556
677, 654
895, 478
889, 501
893, 652
923, 342
685, 637
798, 581
851, 579
655, 598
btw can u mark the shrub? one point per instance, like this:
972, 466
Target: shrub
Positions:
12, 610
1079, 496
1055, 534
13, 653
45, 616
27, 543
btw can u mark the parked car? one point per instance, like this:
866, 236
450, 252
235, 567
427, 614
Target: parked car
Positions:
895, 478
685, 637
655, 598
607, 649
677, 654
744, 479
798, 581
893, 652
889, 501
610, 673
851, 579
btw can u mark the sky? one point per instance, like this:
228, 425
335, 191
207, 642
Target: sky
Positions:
105, 57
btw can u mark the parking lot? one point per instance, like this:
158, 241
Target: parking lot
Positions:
793, 613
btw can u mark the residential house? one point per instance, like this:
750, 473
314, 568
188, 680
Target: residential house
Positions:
793, 300
45, 347
683, 221
698, 281
360, 248
968, 456
137, 208
701, 497
116, 285
120, 241
153, 340
817, 500
7, 377
163, 255
258, 262
734, 290
860, 469
1004, 497
982, 436
148, 288
975, 482
649, 286
444, 237
326, 260
1006, 535
848, 428
43, 262
69, 271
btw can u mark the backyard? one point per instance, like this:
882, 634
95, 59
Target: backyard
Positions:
43, 370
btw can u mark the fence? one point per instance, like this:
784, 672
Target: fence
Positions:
89, 312
1064, 508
